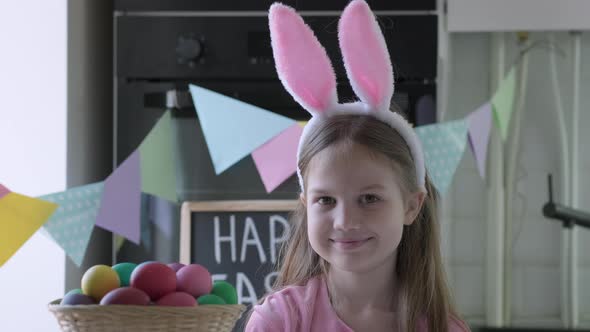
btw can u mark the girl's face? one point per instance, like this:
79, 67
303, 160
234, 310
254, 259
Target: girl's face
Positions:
355, 208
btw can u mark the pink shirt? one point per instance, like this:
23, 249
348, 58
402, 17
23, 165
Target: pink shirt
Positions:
307, 308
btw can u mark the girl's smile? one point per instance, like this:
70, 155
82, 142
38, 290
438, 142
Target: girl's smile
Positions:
349, 244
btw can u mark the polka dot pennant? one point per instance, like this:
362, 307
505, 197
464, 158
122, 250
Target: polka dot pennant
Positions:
443, 145
72, 223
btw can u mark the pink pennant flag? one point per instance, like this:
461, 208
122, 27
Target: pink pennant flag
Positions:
276, 160
120, 207
480, 124
3, 190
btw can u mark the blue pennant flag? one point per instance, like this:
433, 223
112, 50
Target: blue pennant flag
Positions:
72, 223
443, 144
234, 129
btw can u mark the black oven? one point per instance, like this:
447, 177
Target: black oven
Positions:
162, 46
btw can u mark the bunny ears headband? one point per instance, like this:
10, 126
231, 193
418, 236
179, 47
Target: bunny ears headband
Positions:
306, 72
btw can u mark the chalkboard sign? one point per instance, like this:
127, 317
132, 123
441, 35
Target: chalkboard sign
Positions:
237, 241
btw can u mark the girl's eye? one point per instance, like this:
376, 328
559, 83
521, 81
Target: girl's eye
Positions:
369, 199
326, 200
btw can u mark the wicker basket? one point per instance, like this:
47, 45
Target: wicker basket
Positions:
95, 318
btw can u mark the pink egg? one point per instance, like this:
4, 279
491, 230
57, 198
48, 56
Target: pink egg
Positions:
126, 295
155, 279
194, 279
177, 299
176, 266
75, 299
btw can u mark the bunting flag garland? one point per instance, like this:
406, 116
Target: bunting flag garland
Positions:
503, 102
120, 207
155, 211
158, 163
20, 217
3, 191
233, 129
119, 241
72, 223
443, 145
480, 125
276, 160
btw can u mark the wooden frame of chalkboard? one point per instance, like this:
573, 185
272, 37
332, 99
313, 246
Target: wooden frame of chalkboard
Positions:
189, 207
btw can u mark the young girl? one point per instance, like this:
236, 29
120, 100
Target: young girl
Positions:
364, 249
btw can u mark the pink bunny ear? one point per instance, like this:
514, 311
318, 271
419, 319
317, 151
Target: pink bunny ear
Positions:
365, 54
302, 63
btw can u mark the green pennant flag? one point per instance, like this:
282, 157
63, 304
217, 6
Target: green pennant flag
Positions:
503, 102
158, 163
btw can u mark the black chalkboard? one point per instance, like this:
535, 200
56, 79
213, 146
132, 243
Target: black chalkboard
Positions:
237, 241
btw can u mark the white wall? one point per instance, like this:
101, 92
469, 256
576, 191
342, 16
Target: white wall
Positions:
537, 240
32, 150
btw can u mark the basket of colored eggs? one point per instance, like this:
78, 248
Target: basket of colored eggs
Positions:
151, 296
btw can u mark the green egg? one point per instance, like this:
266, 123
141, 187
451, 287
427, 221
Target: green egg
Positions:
226, 291
74, 291
210, 299
124, 271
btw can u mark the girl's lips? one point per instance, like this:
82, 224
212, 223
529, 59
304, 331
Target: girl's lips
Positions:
348, 244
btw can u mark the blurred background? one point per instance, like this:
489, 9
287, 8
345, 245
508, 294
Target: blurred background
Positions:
83, 82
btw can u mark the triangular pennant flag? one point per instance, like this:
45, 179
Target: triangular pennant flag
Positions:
120, 207
503, 102
158, 164
119, 241
480, 125
146, 227
158, 212
233, 129
20, 217
3, 191
72, 223
443, 145
276, 160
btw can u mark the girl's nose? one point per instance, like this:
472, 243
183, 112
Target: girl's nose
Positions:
346, 218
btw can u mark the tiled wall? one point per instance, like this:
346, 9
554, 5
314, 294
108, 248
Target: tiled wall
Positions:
584, 235
536, 240
469, 82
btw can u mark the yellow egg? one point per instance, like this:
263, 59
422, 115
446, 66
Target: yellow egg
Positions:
99, 280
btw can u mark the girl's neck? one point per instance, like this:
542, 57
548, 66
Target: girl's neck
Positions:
373, 290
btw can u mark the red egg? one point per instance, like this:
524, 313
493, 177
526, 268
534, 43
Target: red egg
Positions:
126, 295
194, 279
176, 266
177, 299
75, 299
155, 279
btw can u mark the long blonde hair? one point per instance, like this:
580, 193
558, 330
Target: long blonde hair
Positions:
423, 290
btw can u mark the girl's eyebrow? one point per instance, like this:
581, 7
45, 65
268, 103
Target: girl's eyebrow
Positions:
375, 186
318, 191
321, 191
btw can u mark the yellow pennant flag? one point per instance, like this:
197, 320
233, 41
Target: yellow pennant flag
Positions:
20, 218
